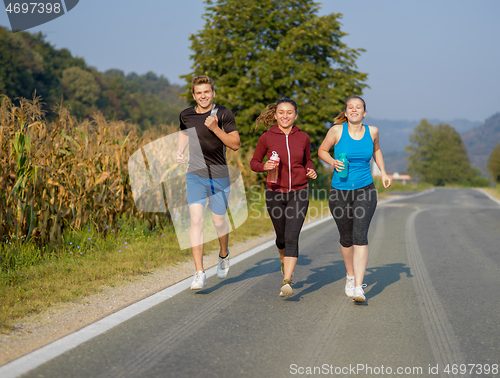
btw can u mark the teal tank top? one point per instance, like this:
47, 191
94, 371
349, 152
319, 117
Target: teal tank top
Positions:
359, 154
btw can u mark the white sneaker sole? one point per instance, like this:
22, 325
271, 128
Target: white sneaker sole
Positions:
223, 273
286, 291
359, 299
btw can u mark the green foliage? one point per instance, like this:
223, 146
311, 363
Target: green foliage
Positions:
19, 65
494, 164
146, 100
260, 51
29, 64
481, 140
438, 155
81, 89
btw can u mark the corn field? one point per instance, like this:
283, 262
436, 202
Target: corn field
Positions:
64, 174
68, 174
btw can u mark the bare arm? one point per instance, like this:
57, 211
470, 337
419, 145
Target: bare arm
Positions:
331, 139
377, 156
182, 142
231, 140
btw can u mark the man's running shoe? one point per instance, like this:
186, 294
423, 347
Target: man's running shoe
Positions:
359, 294
349, 286
286, 289
223, 266
199, 281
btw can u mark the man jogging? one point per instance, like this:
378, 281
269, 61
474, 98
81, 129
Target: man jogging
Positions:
207, 128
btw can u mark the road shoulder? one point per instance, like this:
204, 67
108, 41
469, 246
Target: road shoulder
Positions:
61, 320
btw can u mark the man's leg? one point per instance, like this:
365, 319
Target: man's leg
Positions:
222, 232
218, 203
196, 234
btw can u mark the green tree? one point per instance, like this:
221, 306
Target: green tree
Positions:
148, 100
80, 89
18, 65
494, 163
438, 155
28, 63
260, 51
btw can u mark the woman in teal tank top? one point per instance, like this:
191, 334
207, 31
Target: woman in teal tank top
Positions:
353, 198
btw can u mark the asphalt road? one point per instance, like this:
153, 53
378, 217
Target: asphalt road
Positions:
432, 301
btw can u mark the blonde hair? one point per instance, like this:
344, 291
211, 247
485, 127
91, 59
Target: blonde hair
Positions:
203, 79
267, 115
341, 118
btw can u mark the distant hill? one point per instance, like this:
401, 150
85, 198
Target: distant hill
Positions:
395, 134
29, 64
481, 140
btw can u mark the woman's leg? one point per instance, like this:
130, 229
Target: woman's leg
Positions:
347, 255
363, 209
282, 259
290, 263
340, 202
359, 260
276, 208
295, 214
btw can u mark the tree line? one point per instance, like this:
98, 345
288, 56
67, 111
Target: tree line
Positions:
437, 155
29, 65
257, 52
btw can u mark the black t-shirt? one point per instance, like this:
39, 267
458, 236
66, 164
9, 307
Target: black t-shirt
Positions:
208, 157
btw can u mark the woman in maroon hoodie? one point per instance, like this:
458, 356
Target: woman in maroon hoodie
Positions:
287, 199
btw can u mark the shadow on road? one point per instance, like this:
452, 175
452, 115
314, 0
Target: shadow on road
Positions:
383, 276
320, 277
261, 268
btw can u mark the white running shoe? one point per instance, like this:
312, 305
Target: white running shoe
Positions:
199, 281
359, 294
349, 286
286, 289
223, 266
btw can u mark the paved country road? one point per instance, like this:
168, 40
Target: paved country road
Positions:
432, 310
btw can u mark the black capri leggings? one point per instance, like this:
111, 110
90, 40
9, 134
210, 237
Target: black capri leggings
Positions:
353, 211
287, 212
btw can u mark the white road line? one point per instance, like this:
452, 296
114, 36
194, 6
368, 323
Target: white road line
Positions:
40, 356
488, 195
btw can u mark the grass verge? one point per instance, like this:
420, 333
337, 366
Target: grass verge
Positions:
495, 192
37, 279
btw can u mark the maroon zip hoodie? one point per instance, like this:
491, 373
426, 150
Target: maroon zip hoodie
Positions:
294, 150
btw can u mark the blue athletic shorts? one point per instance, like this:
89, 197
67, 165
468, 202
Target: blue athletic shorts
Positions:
216, 190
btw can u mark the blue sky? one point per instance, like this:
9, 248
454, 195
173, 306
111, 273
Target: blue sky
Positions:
425, 59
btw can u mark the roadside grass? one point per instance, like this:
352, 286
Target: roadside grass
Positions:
39, 278
34, 279
495, 192
397, 186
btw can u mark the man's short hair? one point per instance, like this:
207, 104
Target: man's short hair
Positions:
203, 79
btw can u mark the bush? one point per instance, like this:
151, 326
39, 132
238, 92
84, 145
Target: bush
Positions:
480, 182
494, 164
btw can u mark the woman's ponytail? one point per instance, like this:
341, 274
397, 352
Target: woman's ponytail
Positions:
267, 116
